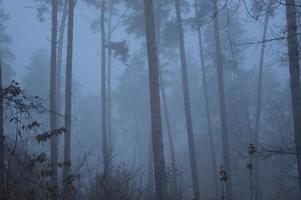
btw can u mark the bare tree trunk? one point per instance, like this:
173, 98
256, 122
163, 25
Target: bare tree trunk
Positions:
2, 137
207, 107
223, 115
168, 128
60, 59
109, 65
135, 147
259, 86
154, 93
294, 69
53, 108
150, 175
169, 135
68, 101
164, 101
193, 162
105, 150
259, 98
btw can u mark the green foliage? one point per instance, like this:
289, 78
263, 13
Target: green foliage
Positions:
28, 173
43, 8
6, 56
32, 125
38, 72
14, 98
37, 159
120, 50
134, 23
133, 81
205, 10
168, 37
261, 7
120, 184
49, 134
95, 3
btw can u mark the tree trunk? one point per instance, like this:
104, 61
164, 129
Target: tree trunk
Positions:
164, 102
191, 145
150, 175
135, 145
294, 69
207, 107
154, 93
53, 108
68, 101
223, 116
60, 59
105, 150
259, 98
109, 65
169, 131
2, 149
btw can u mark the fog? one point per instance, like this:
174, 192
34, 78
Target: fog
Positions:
153, 99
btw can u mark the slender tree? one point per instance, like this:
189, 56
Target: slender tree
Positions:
154, 92
60, 47
53, 110
168, 130
164, 99
222, 103
150, 174
109, 77
105, 64
42, 8
68, 100
294, 70
191, 145
259, 96
206, 99
105, 149
260, 71
6, 55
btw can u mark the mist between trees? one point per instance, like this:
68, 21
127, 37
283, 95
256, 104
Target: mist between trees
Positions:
150, 100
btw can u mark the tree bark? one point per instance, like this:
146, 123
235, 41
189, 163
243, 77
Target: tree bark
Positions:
164, 102
68, 101
109, 65
60, 58
191, 145
154, 93
150, 175
259, 99
207, 107
53, 108
105, 150
222, 104
2, 137
294, 70
259, 86
169, 131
